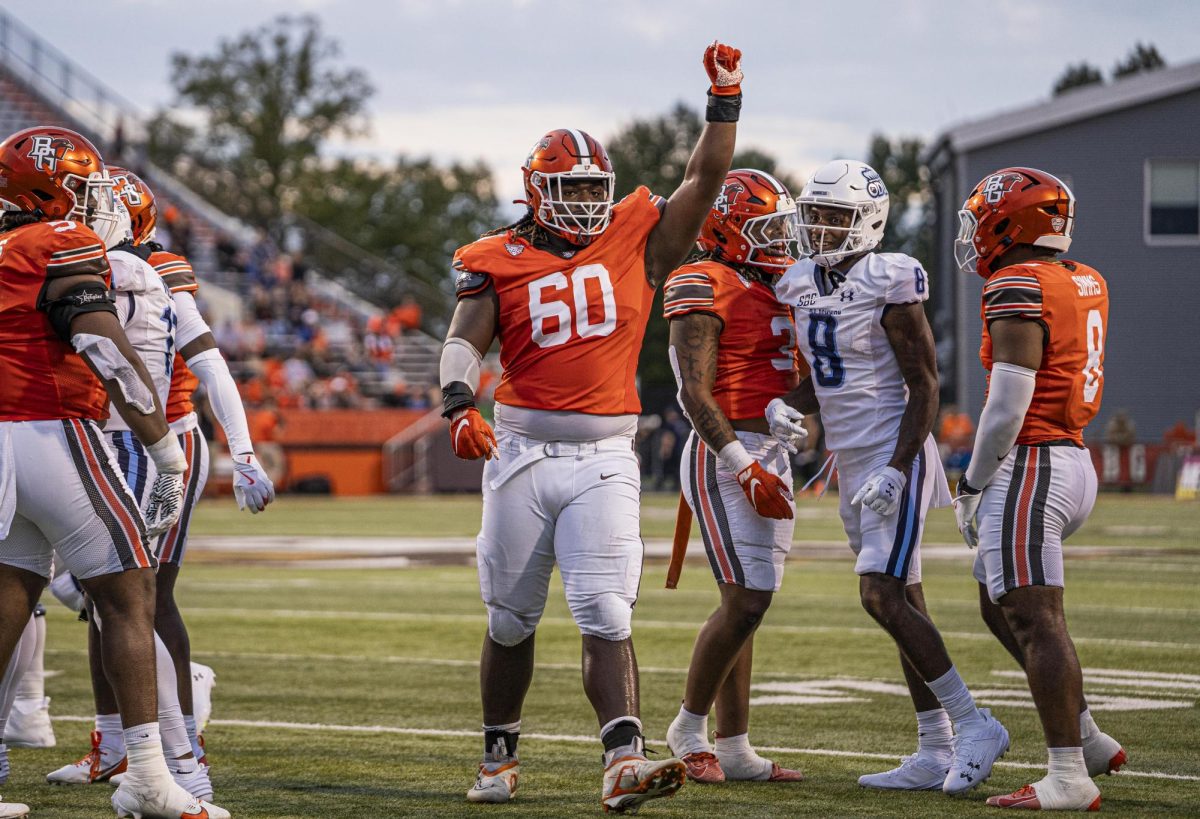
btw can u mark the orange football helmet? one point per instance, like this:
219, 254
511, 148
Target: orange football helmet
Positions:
56, 173
138, 200
1013, 206
753, 221
562, 157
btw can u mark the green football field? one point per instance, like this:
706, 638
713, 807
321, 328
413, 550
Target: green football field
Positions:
353, 692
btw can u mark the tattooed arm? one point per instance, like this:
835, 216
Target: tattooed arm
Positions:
694, 339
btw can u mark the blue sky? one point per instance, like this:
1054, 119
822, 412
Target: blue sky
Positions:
467, 80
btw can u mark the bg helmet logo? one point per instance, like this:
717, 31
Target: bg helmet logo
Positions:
129, 192
998, 185
47, 151
727, 197
875, 187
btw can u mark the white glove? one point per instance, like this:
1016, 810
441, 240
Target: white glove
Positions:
252, 488
785, 423
966, 505
165, 501
881, 493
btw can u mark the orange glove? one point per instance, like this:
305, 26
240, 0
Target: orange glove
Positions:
767, 492
723, 64
470, 436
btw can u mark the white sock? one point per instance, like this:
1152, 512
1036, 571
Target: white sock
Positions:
112, 737
934, 733
33, 682
176, 745
1087, 725
695, 728
189, 724
738, 759
952, 693
18, 663
1066, 764
143, 745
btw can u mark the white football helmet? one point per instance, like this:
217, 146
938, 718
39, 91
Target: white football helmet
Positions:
848, 185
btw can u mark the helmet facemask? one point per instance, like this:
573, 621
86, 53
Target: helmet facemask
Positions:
580, 221
96, 205
859, 234
965, 253
773, 238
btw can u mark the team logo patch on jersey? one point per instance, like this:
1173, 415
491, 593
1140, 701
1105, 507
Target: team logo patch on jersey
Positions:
514, 249
997, 185
1057, 223
47, 151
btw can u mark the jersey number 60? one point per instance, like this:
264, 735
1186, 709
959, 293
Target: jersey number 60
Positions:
551, 320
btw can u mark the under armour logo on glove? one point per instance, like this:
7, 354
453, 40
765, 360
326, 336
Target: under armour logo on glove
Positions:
766, 491
882, 492
723, 64
164, 504
471, 437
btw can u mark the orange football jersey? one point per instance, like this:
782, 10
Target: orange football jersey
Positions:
757, 359
1070, 301
178, 276
41, 376
570, 329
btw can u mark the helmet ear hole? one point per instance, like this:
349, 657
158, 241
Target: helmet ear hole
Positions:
1001, 226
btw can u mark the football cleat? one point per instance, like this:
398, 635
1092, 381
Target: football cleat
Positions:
975, 749
164, 800
1103, 754
703, 767
782, 774
916, 773
29, 724
97, 765
497, 784
203, 680
13, 810
196, 781
1047, 795
630, 781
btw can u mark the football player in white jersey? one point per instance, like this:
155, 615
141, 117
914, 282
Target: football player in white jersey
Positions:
862, 328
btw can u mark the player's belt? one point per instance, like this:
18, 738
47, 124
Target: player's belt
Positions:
518, 452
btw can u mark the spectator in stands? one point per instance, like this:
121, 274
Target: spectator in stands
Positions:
1180, 437
955, 434
1120, 431
406, 316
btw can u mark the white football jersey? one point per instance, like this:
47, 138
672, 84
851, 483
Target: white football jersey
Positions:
147, 312
854, 368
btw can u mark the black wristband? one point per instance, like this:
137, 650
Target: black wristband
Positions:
723, 108
965, 488
455, 396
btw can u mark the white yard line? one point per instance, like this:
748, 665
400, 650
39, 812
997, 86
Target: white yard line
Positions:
411, 616
581, 739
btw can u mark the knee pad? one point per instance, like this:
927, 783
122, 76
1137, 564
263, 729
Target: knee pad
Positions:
606, 616
508, 628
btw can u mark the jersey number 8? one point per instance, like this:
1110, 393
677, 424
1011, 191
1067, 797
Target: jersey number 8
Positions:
551, 320
822, 340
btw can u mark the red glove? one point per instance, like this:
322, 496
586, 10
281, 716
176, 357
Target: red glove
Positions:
470, 436
767, 492
723, 64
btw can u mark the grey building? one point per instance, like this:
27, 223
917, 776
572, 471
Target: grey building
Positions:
1130, 151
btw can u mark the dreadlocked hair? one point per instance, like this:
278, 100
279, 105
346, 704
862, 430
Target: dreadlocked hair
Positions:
522, 227
13, 219
746, 271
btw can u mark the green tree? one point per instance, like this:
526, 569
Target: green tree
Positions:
654, 153
412, 215
1141, 58
1077, 76
269, 99
904, 173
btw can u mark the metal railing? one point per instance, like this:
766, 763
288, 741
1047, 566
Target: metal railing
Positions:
406, 454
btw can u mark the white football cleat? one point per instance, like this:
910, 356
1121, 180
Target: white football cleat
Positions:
98, 765
495, 784
13, 810
203, 680
975, 749
631, 780
917, 772
1050, 795
165, 800
1102, 754
29, 724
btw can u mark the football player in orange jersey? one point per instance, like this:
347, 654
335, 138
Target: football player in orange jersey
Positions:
1031, 483
733, 349
568, 290
63, 357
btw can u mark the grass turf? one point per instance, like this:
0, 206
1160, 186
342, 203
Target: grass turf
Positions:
397, 648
